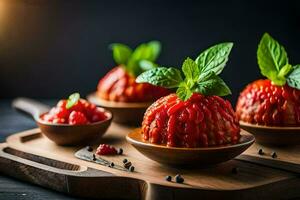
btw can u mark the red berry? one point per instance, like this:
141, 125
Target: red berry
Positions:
59, 121
263, 103
77, 118
105, 149
198, 122
62, 103
98, 115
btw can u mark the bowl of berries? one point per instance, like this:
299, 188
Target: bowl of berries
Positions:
119, 92
73, 121
270, 108
195, 125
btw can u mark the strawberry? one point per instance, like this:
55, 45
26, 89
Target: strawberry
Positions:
200, 121
105, 149
275, 101
77, 118
119, 85
262, 102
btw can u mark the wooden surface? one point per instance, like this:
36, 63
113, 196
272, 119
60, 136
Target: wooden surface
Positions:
251, 181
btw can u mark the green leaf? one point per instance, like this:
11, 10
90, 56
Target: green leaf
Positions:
72, 100
190, 69
161, 76
155, 48
293, 80
214, 59
212, 85
121, 53
183, 92
271, 57
147, 65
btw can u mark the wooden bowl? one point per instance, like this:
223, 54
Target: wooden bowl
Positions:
202, 156
64, 134
272, 135
124, 113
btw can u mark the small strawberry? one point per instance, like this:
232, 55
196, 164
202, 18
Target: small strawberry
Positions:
77, 118
119, 83
194, 116
276, 100
105, 149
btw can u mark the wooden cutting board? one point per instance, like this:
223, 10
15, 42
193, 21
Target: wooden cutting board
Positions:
32, 157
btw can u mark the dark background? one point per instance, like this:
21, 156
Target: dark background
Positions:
49, 48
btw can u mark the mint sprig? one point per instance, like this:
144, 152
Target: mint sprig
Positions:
72, 100
136, 61
274, 63
200, 75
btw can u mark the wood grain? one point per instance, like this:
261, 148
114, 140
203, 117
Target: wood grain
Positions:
251, 182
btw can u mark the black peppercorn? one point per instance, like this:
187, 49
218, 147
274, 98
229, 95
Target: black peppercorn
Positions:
274, 154
94, 157
112, 164
179, 178
131, 168
125, 160
89, 148
261, 152
235, 170
127, 165
120, 151
168, 178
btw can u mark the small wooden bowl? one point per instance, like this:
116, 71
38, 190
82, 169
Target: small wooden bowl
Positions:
64, 134
124, 113
202, 156
272, 135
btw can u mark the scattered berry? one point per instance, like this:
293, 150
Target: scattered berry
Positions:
111, 164
261, 152
168, 178
94, 157
125, 160
89, 148
179, 178
274, 154
105, 149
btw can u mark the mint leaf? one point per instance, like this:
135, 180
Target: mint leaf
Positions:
72, 100
212, 85
293, 79
155, 48
271, 57
161, 76
190, 69
214, 59
121, 53
146, 65
183, 92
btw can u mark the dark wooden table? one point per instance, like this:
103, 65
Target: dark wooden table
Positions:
12, 121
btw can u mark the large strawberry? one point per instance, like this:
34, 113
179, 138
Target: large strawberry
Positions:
195, 116
119, 83
274, 101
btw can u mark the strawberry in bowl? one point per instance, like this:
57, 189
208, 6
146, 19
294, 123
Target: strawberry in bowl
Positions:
195, 124
274, 101
271, 107
118, 90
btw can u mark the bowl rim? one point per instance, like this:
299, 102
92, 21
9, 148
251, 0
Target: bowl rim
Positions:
258, 126
250, 139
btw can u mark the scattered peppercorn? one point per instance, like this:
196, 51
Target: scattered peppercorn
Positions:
89, 148
125, 160
235, 170
131, 168
179, 178
274, 154
261, 152
94, 157
127, 165
111, 164
120, 151
168, 178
